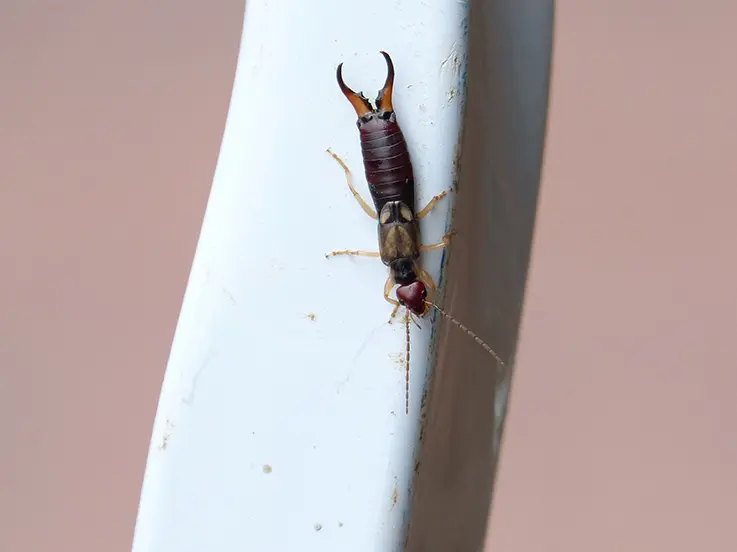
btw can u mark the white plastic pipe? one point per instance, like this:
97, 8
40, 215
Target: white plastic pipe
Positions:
281, 424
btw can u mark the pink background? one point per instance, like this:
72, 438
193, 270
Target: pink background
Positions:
111, 119
621, 432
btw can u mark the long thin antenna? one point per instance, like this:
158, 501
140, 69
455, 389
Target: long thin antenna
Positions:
476, 338
406, 366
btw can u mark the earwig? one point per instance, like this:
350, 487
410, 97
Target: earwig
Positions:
390, 179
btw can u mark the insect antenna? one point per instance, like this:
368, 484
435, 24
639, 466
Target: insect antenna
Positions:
406, 366
475, 337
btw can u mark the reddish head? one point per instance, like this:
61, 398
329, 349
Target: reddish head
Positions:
413, 297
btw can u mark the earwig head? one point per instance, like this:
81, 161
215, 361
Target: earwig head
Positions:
364, 109
413, 297
411, 292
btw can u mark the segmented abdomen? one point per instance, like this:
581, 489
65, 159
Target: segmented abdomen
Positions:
387, 164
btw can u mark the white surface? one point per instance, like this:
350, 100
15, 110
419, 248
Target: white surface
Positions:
253, 383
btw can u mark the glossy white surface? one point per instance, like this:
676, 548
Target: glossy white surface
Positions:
281, 423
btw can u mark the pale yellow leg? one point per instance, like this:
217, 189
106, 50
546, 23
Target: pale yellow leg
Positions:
431, 204
426, 279
394, 313
444, 243
388, 286
365, 206
353, 252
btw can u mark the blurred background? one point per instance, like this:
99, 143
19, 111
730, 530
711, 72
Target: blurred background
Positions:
111, 117
621, 425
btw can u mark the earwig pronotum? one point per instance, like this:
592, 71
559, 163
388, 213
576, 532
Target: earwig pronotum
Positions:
391, 184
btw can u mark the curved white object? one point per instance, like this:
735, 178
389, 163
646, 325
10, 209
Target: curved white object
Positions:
281, 424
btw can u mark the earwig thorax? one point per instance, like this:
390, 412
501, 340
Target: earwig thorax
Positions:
403, 271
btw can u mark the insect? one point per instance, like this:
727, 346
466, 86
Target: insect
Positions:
390, 179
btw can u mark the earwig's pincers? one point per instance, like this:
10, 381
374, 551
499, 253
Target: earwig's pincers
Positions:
361, 103
384, 99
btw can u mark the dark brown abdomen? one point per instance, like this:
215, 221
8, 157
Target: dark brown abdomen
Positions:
387, 164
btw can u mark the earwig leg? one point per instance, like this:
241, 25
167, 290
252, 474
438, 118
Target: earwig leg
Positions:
444, 243
426, 279
365, 206
431, 204
353, 252
394, 313
388, 286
